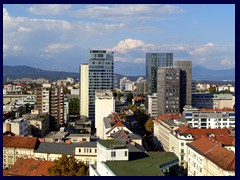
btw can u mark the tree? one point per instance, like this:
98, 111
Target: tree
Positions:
149, 125
129, 97
212, 89
74, 106
29, 108
66, 90
68, 166
119, 95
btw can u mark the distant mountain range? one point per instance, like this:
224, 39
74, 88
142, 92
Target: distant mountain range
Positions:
198, 73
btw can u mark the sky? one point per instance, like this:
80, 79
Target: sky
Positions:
60, 36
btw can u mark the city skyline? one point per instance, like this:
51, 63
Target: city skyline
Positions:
59, 37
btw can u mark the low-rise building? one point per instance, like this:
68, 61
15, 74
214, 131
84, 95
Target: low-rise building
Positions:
15, 147
207, 157
152, 105
17, 126
29, 167
115, 158
85, 151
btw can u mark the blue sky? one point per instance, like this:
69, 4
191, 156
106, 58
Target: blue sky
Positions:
59, 36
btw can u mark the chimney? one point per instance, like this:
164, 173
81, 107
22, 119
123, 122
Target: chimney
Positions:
41, 140
68, 141
8, 127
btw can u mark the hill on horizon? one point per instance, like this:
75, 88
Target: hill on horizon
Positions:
198, 73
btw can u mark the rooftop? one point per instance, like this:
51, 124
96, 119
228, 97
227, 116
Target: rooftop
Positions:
20, 142
212, 150
115, 144
148, 166
62, 148
29, 167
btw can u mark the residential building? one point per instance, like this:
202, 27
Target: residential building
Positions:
153, 61
101, 67
224, 87
84, 90
162, 128
141, 86
17, 126
209, 158
85, 151
153, 105
168, 90
209, 118
15, 147
66, 110
50, 99
184, 134
185, 82
39, 123
26, 100
104, 105
29, 167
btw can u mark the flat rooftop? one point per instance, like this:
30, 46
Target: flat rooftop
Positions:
114, 144
148, 166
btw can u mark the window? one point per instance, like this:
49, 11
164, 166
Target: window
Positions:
95, 150
79, 150
125, 153
113, 154
182, 144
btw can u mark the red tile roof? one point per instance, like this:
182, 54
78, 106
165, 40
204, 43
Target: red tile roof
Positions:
20, 142
138, 98
217, 110
118, 124
212, 150
30, 167
198, 133
168, 117
226, 140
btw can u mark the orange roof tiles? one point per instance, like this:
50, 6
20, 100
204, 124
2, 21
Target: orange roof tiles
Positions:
212, 150
138, 98
198, 133
217, 110
226, 140
168, 117
20, 142
30, 167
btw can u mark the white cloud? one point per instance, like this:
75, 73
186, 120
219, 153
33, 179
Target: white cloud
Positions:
128, 12
120, 59
24, 29
127, 45
227, 62
201, 50
49, 9
17, 48
139, 60
6, 16
53, 48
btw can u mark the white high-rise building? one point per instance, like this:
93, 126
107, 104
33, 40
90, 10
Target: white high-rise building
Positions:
84, 88
104, 105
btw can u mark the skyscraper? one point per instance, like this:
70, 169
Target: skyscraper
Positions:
185, 82
84, 90
153, 61
101, 67
168, 90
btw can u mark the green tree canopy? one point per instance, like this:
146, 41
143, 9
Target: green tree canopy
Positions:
129, 97
68, 166
74, 106
149, 125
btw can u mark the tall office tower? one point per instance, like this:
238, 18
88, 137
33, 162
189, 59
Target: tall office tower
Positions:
50, 99
100, 75
84, 90
104, 105
153, 61
168, 90
186, 82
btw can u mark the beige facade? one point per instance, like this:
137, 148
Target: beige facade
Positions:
84, 90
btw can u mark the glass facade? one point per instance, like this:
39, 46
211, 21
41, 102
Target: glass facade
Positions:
101, 77
153, 61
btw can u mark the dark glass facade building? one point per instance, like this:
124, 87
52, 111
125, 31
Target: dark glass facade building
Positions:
153, 61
